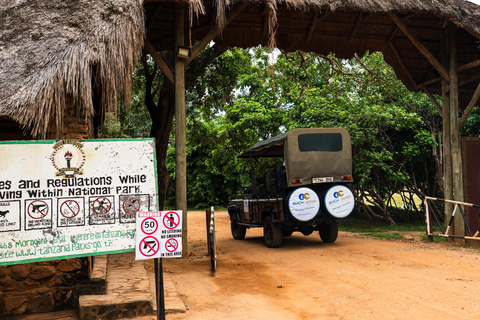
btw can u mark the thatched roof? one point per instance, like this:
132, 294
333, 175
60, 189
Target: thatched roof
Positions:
58, 48
344, 27
51, 49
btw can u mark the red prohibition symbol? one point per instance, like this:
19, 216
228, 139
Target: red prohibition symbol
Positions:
171, 245
37, 209
171, 220
131, 205
149, 246
69, 209
101, 205
149, 225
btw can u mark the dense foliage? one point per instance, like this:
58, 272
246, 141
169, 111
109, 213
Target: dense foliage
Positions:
240, 97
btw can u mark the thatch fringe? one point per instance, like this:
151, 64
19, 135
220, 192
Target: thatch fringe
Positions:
463, 13
48, 60
51, 50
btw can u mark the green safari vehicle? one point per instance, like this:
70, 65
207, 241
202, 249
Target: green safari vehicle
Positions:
306, 192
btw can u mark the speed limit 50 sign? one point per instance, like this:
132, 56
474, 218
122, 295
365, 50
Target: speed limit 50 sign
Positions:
158, 235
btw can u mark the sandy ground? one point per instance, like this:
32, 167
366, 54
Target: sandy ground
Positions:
353, 278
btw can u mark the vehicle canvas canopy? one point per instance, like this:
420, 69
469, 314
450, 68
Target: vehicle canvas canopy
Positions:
320, 153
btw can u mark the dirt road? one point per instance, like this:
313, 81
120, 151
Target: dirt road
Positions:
353, 278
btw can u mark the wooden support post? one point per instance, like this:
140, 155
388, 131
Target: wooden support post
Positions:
457, 170
447, 150
180, 126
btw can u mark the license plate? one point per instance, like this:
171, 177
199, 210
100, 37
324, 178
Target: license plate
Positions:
322, 180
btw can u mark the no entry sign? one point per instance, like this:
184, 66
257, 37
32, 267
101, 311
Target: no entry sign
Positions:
159, 235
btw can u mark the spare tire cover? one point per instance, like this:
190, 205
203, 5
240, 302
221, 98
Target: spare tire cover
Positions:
303, 204
339, 201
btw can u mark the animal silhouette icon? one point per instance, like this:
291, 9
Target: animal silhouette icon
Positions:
3, 213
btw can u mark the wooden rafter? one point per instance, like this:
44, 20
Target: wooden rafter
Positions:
356, 26
470, 106
400, 60
216, 31
418, 44
426, 83
395, 30
469, 65
432, 99
150, 49
316, 19
465, 67
312, 25
467, 80
151, 19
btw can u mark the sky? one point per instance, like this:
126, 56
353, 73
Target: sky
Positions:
475, 1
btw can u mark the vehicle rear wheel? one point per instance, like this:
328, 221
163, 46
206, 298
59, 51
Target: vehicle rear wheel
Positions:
238, 231
328, 231
272, 233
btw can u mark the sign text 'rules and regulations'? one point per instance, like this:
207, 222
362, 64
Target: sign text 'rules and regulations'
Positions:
72, 198
159, 235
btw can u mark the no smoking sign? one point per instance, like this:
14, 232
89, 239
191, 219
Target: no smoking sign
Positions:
158, 234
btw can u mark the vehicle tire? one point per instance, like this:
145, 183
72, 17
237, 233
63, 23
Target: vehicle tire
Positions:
328, 231
238, 231
272, 233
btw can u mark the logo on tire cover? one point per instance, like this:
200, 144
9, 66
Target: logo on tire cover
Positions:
339, 201
303, 204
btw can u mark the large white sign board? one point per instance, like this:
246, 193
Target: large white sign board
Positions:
159, 235
70, 198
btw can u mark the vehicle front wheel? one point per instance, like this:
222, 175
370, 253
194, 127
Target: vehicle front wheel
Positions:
328, 231
272, 233
238, 231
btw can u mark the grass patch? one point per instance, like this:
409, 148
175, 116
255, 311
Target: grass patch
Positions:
388, 236
352, 224
380, 229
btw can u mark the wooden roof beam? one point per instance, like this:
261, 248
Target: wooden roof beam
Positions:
400, 60
416, 42
216, 31
151, 19
395, 30
426, 83
312, 25
447, 88
470, 106
356, 26
469, 65
316, 19
432, 99
150, 49
466, 81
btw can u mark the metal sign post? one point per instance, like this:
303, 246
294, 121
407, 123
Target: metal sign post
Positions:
158, 265
159, 235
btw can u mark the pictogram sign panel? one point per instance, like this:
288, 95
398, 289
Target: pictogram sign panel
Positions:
164, 226
73, 198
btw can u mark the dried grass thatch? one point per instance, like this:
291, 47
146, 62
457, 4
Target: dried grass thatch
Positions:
51, 49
